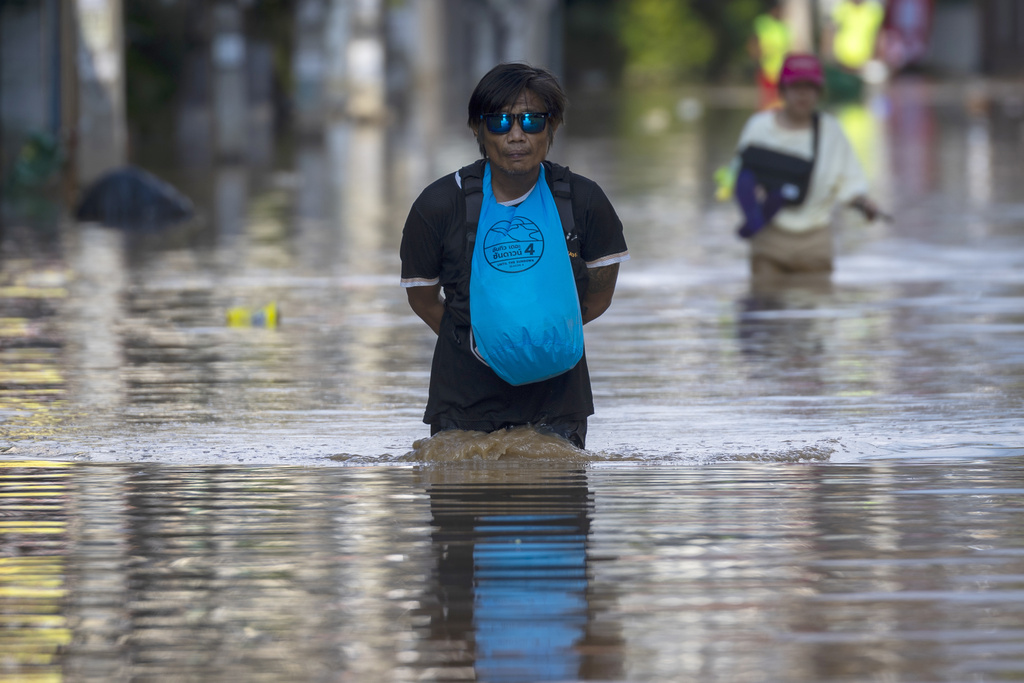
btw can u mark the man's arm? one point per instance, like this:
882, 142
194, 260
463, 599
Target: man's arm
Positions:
426, 303
599, 291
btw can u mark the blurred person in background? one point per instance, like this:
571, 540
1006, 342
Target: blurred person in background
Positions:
514, 113
906, 32
852, 37
795, 165
768, 46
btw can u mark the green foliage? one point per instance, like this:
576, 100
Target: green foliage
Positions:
593, 53
672, 41
163, 38
737, 27
741, 13
30, 190
665, 40
38, 163
273, 21
154, 35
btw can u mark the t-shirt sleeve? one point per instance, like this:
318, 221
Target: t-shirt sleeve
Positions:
602, 242
421, 249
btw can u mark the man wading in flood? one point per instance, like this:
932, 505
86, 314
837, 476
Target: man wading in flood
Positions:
525, 253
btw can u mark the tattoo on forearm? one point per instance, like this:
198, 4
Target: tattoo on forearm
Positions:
601, 279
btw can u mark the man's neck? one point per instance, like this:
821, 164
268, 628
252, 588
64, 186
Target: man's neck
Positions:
507, 187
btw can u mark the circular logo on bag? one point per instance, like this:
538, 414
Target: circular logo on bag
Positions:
515, 246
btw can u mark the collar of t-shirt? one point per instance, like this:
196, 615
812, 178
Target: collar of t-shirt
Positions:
512, 202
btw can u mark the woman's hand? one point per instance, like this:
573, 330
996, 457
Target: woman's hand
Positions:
870, 210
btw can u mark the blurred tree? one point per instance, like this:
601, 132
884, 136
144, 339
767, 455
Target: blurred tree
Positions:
154, 35
665, 41
731, 23
594, 55
160, 38
671, 41
273, 22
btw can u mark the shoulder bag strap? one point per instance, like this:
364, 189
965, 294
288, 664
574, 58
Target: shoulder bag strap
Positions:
816, 135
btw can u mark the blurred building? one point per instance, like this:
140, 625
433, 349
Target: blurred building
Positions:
34, 59
246, 68
1002, 37
61, 91
63, 63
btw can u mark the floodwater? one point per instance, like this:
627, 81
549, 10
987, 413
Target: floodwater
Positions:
822, 483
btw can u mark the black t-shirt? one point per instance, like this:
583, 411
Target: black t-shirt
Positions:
462, 388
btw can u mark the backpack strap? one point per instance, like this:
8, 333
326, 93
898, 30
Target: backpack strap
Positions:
472, 176
561, 190
559, 178
473, 189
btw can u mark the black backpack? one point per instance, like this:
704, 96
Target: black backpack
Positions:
561, 189
558, 178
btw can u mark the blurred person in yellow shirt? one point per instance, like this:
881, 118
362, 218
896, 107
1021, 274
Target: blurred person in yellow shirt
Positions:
768, 46
853, 37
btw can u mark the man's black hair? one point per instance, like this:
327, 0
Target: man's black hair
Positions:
501, 86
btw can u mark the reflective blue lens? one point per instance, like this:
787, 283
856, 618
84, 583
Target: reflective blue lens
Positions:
529, 121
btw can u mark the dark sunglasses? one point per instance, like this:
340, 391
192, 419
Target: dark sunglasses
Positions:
529, 121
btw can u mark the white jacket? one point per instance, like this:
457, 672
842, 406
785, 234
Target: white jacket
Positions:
838, 176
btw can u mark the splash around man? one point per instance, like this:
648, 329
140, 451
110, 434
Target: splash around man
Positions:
502, 272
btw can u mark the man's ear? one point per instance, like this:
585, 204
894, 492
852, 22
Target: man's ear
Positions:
552, 128
479, 142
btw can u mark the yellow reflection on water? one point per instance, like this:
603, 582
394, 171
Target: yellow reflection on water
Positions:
31, 380
33, 588
56, 464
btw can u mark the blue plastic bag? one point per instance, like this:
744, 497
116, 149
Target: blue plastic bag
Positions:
525, 311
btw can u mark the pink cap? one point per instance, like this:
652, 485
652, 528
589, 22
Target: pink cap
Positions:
801, 68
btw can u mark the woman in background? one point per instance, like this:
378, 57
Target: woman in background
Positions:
796, 166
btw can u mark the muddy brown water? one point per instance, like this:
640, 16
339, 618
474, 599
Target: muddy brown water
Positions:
811, 484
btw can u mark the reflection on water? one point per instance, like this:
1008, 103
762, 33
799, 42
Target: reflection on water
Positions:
510, 594
512, 572
34, 517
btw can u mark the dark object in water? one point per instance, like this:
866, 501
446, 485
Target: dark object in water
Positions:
129, 197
